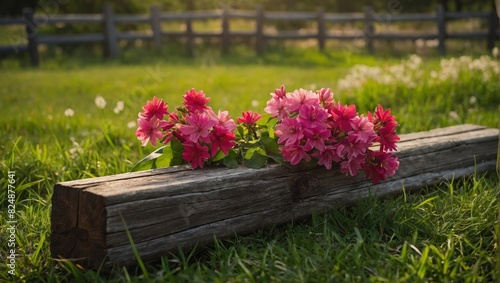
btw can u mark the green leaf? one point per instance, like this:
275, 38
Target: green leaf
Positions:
177, 149
219, 156
240, 132
255, 158
270, 144
264, 120
231, 159
161, 157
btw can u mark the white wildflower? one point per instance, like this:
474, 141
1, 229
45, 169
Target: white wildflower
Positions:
472, 100
494, 52
131, 124
69, 112
255, 103
453, 116
119, 107
100, 102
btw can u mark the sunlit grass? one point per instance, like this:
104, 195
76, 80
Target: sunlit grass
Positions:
446, 233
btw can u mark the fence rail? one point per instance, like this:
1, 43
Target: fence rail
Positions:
111, 37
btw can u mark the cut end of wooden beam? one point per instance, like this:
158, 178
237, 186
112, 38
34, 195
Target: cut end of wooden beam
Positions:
78, 226
171, 208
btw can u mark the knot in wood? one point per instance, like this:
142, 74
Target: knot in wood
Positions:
298, 186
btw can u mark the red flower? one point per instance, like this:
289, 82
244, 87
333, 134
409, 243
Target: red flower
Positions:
195, 153
155, 108
385, 127
196, 101
380, 165
249, 118
221, 139
343, 116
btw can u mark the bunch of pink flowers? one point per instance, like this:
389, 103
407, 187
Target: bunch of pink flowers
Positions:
312, 125
201, 132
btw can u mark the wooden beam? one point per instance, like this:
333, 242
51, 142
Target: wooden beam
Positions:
165, 209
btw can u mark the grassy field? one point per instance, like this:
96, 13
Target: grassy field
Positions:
53, 131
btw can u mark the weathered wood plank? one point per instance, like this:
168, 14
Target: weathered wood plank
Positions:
178, 207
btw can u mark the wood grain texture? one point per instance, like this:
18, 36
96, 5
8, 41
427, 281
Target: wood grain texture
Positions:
165, 209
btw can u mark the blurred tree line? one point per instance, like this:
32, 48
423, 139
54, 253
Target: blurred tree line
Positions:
14, 7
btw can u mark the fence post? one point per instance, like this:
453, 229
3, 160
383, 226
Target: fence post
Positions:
259, 30
441, 22
225, 30
155, 11
189, 36
31, 33
492, 28
321, 28
110, 32
369, 28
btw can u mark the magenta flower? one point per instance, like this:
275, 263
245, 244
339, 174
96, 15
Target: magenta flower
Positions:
198, 127
327, 156
249, 118
289, 131
196, 101
294, 154
301, 97
195, 153
222, 139
155, 108
317, 136
312, 116
149, 130
351, 148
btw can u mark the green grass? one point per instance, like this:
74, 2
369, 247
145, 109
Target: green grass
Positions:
445, 233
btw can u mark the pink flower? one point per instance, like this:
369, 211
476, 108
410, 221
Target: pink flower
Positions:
295, 153
327, 156
276, 107
149, 130
224, 120
312, 116
195, 153
155, 108
363, 129
301, 97
342, 116
289, 131
351, 166
280, 92
325, 96
249, 118
221, 139
198, 127
195, 101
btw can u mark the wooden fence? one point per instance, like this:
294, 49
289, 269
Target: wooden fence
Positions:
111, 37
